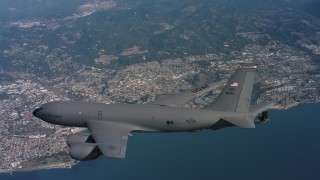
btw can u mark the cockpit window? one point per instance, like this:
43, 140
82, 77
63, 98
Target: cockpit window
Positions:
36, 111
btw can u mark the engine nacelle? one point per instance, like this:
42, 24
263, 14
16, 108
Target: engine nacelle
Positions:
79, 138
84, 151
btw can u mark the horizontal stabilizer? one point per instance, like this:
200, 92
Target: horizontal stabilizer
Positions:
255, 109
241, 122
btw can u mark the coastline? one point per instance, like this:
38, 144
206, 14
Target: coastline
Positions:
63, 165
279, 107
58, 161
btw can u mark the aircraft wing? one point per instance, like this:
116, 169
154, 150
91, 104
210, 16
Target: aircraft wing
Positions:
110, 137
180, 99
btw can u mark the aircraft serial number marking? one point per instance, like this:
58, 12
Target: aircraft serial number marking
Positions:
51, 116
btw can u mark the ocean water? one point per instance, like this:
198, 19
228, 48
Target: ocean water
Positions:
288, 147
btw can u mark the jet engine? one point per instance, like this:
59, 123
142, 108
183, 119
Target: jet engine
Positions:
84, 151
79, 138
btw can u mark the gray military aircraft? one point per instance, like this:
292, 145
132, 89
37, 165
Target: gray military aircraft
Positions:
110, 124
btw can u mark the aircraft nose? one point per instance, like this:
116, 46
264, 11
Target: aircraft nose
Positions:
35, 112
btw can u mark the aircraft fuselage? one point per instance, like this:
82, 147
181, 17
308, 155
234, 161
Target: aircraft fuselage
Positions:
148, 118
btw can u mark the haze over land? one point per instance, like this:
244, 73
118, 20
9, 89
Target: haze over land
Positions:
130, 51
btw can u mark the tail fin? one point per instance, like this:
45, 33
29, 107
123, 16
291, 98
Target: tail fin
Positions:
236, 95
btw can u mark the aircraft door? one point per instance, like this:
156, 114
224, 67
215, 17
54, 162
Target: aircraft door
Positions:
99, 115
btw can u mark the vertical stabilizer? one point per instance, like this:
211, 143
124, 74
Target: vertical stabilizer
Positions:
236, 95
